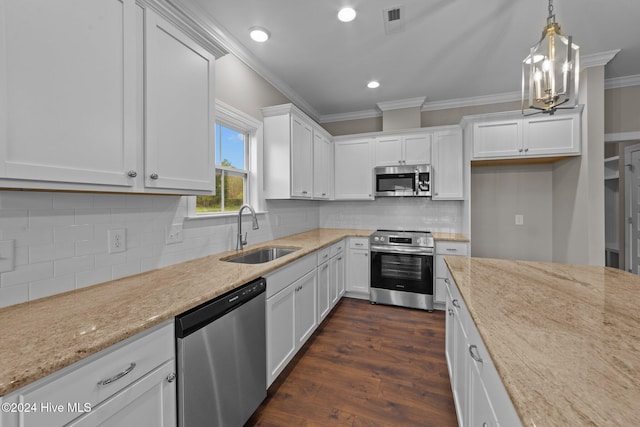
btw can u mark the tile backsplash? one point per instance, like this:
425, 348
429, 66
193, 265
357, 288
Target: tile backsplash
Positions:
61, 239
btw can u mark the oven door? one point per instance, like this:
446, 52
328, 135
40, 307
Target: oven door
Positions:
407, 272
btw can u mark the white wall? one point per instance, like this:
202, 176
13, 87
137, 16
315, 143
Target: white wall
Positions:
498, 193
61, 238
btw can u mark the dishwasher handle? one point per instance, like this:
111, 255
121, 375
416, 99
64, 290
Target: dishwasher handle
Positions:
200, 316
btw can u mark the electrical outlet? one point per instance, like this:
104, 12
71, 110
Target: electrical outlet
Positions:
173, 234
519, 219
117, 240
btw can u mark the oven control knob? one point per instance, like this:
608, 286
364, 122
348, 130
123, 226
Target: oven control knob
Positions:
382, 239
376, 238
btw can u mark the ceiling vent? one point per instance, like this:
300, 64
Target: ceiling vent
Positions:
393, 19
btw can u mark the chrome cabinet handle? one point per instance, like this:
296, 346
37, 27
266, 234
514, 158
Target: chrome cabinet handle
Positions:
171, 377
304, 191
447, 281
451, 312
325, 267
452, 250
153, 176
358, 244
117, 376
526, 150
455, 303
520, 150
474, 356
132, 173
340, 259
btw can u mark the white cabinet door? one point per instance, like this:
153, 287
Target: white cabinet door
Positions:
340, 276
301, 158
448, 166
180, 122
306, 305
497, 139
358, 267
460, 380
480, 410
149, 402
353, 170
549, 135
388, 151
281, 331
321, 166
68, 91
417, 149
324, 290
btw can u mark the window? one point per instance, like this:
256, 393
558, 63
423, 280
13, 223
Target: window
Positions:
232, 174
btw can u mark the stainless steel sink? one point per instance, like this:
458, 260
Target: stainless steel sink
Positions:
261, 255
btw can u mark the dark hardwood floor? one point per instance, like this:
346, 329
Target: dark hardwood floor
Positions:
366, 365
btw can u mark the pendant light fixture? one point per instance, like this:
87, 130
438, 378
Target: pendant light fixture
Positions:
551, 70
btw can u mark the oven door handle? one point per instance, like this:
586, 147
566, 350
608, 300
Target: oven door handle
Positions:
401, 250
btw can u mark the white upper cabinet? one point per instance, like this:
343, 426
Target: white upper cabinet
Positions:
448, 165
104, 96
68, 91
297, 162
301, 157
353, 169
180, 103
394, 150
511, 136
322, 166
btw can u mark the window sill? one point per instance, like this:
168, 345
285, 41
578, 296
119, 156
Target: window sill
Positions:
220, 215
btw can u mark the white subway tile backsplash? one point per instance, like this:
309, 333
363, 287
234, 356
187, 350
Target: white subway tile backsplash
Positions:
73, 233
72, 265
69, 231
48, 287
23, 274
50, 252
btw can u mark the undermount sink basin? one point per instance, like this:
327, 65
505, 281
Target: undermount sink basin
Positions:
259, 256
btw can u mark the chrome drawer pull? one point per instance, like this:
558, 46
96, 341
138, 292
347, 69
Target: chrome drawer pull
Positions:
447, 281
475, 357
455, 303
171, 377
452, 249
451, 312
117, 376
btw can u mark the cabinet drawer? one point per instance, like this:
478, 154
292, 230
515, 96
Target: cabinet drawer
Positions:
283, 277
336, 248
452, 248
324, 254
96, 378
358, 243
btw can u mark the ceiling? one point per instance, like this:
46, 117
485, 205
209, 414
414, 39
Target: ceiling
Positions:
448, 50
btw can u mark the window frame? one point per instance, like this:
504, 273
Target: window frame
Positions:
232, 118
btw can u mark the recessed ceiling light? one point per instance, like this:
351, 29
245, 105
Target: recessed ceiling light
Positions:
373, 84
259, 34
347, 14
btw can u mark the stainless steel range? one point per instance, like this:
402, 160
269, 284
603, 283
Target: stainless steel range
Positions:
402, 268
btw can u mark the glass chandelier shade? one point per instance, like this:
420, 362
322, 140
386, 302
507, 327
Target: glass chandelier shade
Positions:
551, 70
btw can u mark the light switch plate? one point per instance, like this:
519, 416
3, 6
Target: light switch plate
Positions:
7, 255
519, 219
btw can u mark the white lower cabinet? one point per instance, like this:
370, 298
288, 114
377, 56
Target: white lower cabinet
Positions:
130, 383
358, 267
442, 249
330, 278
290, 313
478, 393
337, 272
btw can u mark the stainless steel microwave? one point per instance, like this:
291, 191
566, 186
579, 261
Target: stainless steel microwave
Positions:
402, 181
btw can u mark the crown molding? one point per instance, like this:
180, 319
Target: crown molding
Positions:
401, 103
617, 82
232, 45
470, 102
355, 115
597, 59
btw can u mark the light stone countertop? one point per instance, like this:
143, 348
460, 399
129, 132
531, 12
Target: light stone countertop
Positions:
452, 237
565, 339
45, 335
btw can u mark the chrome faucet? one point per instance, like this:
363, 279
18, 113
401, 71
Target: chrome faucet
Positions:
241, 242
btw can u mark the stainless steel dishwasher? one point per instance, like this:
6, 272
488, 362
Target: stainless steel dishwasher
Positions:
221, 357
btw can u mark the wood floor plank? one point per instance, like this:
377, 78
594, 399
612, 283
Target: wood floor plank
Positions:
366, 365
